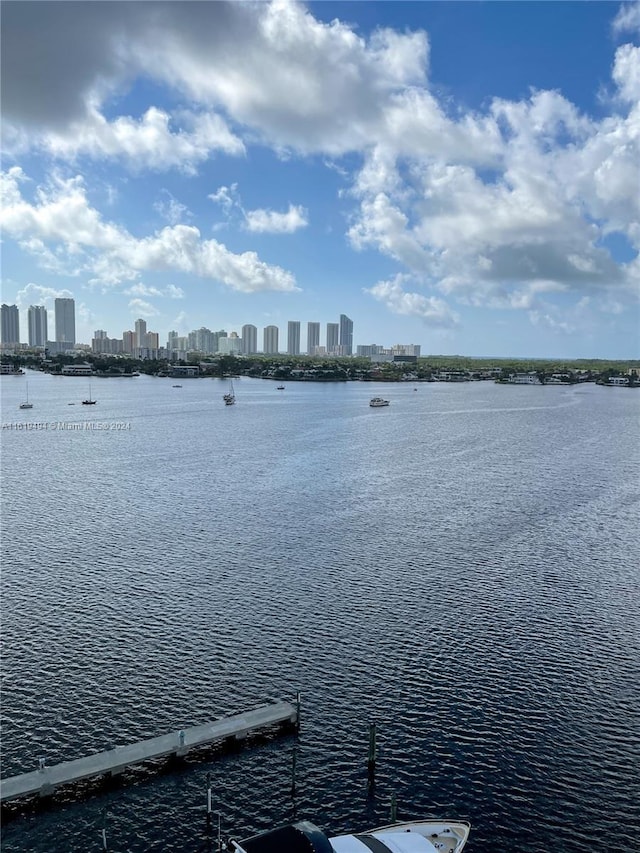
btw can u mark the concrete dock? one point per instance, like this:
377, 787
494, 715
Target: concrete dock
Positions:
45, 780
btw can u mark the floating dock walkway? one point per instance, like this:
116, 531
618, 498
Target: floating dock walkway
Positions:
45, 780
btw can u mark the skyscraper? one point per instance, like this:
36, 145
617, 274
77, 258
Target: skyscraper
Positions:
37, 321
313, 337
346, 335
293, 337
65, 321
270, 340
249, 339
10, 324
333, 330
141, 333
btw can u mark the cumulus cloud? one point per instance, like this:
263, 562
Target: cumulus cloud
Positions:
62, 215
433, 311
508, 206
559, 183
297, 82
37, 294
272, 222
145, 143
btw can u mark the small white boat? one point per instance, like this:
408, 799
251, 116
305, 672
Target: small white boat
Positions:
26, 404
378, 402
421, 836
230, 397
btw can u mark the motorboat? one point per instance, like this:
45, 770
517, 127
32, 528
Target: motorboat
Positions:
378, 402
421, 836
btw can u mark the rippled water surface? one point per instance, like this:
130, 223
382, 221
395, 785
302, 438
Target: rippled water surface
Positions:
461, 567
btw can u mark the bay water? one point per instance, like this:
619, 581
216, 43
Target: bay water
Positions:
461, 567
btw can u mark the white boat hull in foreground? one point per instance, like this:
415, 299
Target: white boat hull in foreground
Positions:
422, 836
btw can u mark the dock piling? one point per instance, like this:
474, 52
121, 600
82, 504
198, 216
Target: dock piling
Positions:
393, 809
294, 762
105, 846
371, 764
208, 802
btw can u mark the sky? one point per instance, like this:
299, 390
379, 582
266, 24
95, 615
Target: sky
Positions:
460, 175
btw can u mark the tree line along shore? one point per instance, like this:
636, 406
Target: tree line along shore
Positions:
345, 369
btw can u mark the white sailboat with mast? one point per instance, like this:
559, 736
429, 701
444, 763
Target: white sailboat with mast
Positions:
26, 404
89, 401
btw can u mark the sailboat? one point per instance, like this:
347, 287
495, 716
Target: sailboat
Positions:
89, 401
26, 404
230, 397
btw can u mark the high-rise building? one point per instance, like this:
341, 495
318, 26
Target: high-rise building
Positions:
203, 340
141, 333
128, 342
37, 319
346, 335
333, 331
293, 337
249, 339
153, 340
65, 321
270, 340
10, 324
217, 337
230, 344
313, 337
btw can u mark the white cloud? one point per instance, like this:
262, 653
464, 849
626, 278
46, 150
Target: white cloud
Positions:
297, 82
509, 206
433, 311
37, 294
226, 197
147, 143
140, 289
271, 222
143, 309
627, 19
171, 209
63, 216
557, 184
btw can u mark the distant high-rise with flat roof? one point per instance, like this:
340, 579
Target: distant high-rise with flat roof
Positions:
37, 321
65, 321
10, 324
293, 337
346, 335
333, 332
249, 339
313, 337
128, 342
141, 333
270, 340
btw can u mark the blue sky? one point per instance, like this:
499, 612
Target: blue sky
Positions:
460, 175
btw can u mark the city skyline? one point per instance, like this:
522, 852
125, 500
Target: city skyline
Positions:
459, 175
